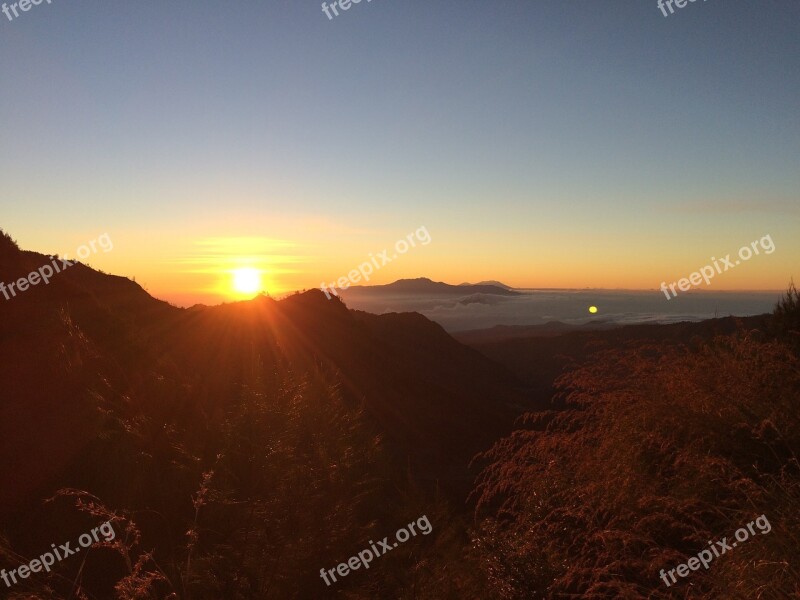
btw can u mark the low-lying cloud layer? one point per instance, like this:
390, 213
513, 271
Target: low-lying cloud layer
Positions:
534, 307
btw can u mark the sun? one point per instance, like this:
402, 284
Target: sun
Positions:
593, 309
247, 280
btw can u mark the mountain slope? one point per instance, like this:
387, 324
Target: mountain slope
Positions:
423, 285
89, 334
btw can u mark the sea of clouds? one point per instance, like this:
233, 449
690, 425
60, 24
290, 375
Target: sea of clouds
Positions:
536, 307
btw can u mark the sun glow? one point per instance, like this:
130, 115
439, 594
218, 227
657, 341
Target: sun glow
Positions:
247, 280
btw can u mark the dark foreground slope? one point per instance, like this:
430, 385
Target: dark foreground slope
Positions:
662, 440
239, 449
236, 449
436, 401
656, 450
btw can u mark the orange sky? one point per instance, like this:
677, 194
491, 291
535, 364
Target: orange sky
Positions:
195, 264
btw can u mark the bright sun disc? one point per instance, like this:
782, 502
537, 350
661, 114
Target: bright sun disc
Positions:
247, 280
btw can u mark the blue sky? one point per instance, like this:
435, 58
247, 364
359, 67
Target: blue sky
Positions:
537, 141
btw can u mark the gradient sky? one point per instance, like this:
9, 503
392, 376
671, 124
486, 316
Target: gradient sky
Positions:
542, 143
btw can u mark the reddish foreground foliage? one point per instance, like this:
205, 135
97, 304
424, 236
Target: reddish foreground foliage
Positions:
660, 451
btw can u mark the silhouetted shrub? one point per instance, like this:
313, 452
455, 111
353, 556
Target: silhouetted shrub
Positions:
786, 316
8, 246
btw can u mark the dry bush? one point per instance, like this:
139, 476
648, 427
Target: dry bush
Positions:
786, 317
660, 451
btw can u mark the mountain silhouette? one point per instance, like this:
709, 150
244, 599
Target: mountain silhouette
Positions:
436, 401
237, 449
491, 282
423, 285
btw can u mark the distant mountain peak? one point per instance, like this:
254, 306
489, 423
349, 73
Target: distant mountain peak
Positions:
424, 285
489, 282
417, 279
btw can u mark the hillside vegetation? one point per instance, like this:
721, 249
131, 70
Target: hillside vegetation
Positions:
660, 449
237, 450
